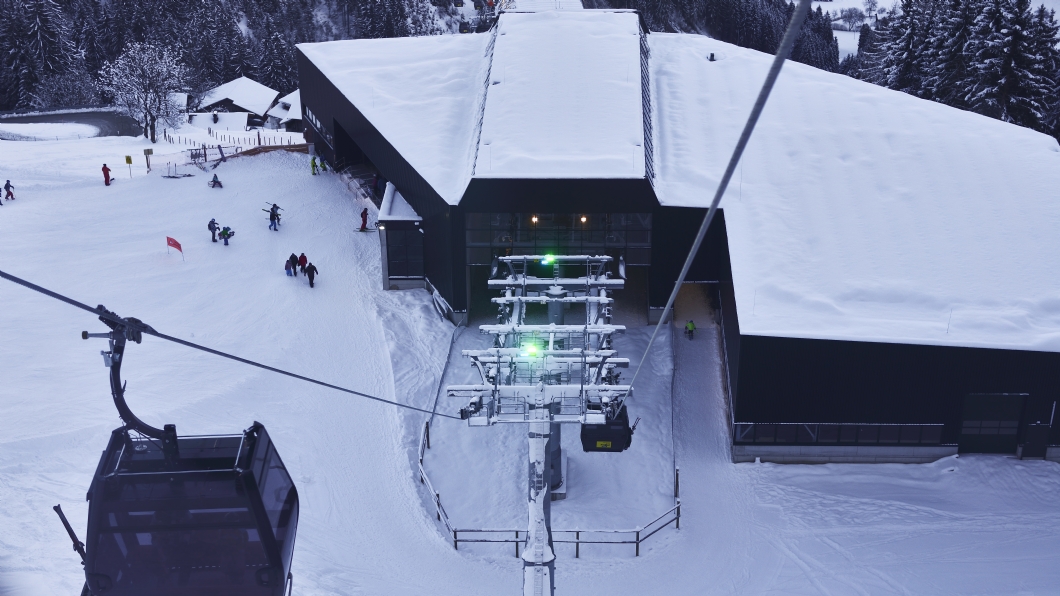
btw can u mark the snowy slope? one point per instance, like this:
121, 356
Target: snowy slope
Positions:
973, 525
891, 219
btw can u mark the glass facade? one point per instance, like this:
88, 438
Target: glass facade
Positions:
500, 234
404, 253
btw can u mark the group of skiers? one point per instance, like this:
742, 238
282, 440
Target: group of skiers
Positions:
9, 195
313, 164
226, 233
300, 263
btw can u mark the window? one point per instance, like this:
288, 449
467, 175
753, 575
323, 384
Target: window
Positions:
404, 253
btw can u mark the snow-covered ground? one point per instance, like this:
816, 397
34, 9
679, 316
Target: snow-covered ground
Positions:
46, 131
848, 42
968, 525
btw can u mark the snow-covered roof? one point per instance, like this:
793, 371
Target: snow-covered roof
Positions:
243, 92
394, 206
288, 107
225, 120
564, 98
861, 213
421, 93
543, 5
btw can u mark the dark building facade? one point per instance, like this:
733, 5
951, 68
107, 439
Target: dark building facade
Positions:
791, 399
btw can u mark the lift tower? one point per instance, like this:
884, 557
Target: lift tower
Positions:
546, 374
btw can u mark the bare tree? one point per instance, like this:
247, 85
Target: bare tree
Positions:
142, 82
852, 17
870, 6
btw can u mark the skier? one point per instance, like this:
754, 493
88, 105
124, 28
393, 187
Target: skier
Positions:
226, 233
215, 183
313, 164
311, 272
690, 329
302, 260
293, 260
364, 220
323, 165
106, 175
274, 218
287, 267
212, 226
9, 187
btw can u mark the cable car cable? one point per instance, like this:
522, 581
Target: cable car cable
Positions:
794, 27
141, 327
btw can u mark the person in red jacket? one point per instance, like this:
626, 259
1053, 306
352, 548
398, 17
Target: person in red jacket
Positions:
106, 175
364, 220
302, 260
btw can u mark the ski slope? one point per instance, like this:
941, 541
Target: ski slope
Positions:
968, 525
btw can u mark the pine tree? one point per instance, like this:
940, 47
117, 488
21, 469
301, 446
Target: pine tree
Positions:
1044, 32
1007, 81
901, 64
276, 61
948, 65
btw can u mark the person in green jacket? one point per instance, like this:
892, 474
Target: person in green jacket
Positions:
313, 164
690, 328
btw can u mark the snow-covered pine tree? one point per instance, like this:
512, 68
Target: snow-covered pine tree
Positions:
275, 62
900, 68
948, 64
1007, 79
1044, 31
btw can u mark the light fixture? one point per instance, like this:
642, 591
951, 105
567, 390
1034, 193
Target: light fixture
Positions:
584, 219
534, 219
382, 227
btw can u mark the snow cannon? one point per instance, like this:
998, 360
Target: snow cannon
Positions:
174, 516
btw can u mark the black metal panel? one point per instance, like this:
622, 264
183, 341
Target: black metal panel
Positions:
592, 195
675, 230
828, 381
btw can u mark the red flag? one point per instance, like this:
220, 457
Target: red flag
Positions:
172, 242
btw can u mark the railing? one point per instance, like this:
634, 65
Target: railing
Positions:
635, 536
837, 434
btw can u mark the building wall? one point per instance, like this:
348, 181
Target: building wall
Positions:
790, 380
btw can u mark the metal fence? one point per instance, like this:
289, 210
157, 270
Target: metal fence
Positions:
837, 434
577, 537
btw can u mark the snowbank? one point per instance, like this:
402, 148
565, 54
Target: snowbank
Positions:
46, 131
861, 213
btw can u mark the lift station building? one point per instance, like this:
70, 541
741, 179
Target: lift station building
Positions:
885, 270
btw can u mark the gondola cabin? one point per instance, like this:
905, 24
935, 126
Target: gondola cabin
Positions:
215, 516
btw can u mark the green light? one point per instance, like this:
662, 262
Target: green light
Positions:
547, 260
530, 349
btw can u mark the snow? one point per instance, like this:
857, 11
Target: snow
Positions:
245, 93
848, 42
225, 120
293, 109
543, 5
968, 525
420, 93
564, 98
893, 219
394, 206
46, 131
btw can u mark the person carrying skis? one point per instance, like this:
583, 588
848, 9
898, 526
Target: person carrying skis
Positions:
106, 175
226, 233
293, 260
313, 164
9, 187
311, 272
364, 220
274, 218
212, 226
690, 328
302, 261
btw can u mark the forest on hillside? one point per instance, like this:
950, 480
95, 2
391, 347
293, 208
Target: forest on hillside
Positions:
52, 51
995, 57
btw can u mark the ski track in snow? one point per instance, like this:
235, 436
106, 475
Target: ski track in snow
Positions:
968, 525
